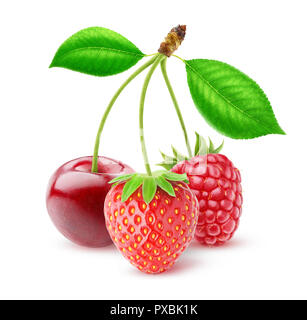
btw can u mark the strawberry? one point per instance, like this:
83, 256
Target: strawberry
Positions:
151, 228
217, 185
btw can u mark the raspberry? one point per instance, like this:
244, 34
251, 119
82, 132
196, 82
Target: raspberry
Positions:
217, 186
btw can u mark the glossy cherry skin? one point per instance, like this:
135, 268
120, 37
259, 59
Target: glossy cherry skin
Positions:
75, 199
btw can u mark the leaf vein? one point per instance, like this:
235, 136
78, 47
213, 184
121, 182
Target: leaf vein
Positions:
102, 49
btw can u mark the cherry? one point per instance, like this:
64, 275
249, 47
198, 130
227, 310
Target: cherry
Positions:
75, 199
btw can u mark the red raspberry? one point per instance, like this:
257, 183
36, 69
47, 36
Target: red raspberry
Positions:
217, 186
152, 236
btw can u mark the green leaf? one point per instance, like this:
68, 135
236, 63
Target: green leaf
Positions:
196, 150
158, 173
131, 186
166, 186
168, 159
165, 165
175, 176
97, 51
149, 189
168, 162
211, 146
150, 183
218, 149
229, 100
201, 147
178, 155
124, 177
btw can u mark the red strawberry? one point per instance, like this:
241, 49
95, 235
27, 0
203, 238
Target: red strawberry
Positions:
217, 185
152, 236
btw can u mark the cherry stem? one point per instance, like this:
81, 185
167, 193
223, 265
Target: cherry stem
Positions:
109, 107
176, 105
157, 60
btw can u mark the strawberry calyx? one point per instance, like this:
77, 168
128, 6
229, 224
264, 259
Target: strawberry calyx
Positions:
201, 148
149, 183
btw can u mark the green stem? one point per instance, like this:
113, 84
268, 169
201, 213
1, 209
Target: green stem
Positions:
109, 107
173, 55
158, 58
172, 94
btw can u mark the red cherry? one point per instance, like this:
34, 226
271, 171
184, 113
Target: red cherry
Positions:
75, 199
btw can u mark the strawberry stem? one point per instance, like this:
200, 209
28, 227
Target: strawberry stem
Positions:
109, 107
157, 60
172, 94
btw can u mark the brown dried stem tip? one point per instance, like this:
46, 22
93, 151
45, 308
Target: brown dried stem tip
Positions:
173, 40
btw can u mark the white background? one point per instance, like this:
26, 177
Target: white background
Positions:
50, 116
